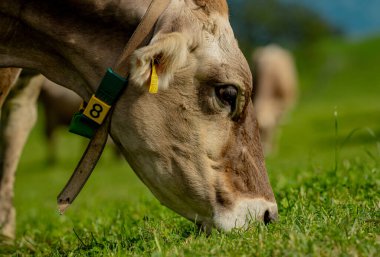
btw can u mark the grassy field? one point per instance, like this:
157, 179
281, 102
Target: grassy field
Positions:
325, 175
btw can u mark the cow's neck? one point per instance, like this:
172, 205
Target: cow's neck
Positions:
71, 43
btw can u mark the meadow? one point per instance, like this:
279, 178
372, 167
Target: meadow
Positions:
324, 173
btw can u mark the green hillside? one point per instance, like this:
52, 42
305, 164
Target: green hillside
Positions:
334, 76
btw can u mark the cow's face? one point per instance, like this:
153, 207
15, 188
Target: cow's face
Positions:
195, 144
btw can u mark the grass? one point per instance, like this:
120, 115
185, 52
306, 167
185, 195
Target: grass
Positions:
325, 176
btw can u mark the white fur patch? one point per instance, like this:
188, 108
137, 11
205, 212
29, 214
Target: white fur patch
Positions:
243, 213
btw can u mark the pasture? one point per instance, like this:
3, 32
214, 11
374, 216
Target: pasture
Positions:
325, 175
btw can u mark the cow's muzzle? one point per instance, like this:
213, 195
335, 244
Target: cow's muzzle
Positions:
244, 212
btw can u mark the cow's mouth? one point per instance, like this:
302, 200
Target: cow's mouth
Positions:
244, 212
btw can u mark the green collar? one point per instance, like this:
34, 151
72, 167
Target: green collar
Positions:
92, 114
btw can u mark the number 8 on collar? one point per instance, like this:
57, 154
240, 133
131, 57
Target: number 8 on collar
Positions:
96, 110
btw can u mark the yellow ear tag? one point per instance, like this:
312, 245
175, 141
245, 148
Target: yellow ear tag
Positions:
153, 88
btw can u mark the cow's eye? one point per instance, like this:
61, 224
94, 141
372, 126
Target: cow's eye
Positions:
227, 94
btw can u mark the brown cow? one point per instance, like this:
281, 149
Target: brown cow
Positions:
196, 143
20, 103
276, 89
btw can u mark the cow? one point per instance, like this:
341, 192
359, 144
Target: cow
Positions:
276, 90
19, 104
195, 144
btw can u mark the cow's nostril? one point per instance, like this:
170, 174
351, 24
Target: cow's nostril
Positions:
270, 215
267, 218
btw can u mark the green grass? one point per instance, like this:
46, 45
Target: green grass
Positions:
325, 176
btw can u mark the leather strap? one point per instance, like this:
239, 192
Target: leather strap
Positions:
84, 168
96, 146
155, 9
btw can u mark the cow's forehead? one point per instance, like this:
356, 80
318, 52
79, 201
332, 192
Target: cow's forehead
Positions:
220, 50
208, 30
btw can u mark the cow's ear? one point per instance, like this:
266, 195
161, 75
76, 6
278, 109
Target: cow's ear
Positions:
167, 51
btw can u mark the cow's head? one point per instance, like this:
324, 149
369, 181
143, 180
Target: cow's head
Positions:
196, 144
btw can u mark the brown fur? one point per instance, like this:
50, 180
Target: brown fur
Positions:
8, 77
244, 182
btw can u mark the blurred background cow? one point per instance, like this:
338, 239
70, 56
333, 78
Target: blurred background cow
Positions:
59, 105
275, 92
